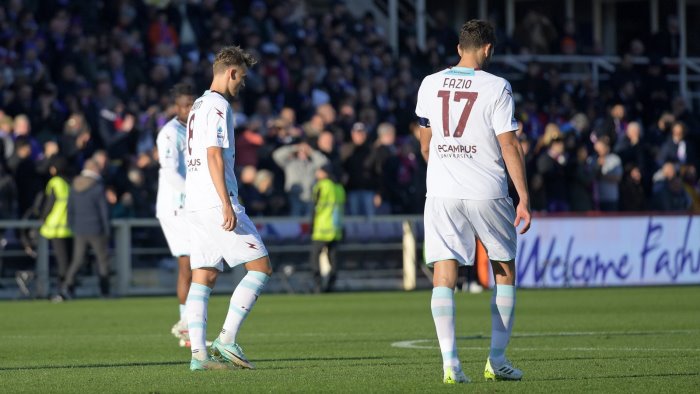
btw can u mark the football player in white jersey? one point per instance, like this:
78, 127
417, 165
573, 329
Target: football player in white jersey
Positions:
170, 203
219, 229
468, 139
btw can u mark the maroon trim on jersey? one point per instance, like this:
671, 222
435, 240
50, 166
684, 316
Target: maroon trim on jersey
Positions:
220, 94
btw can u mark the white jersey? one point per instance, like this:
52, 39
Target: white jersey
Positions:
210, 124
171, 176
466, 110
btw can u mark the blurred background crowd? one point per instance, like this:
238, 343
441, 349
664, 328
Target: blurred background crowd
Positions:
92, 79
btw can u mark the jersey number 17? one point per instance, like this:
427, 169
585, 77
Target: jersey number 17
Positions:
459, 96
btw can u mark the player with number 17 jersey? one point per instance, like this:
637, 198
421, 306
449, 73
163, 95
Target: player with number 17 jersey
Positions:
466, 109
210, 124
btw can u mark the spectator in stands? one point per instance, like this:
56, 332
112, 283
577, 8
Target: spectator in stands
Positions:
76, 143
581, 176
660, 132
358, 163
7, 143
551, 165
614, 125
23, 129
608, 175
8, 194
386, 166
689, 175
633, 150
299, 163
275, 200
677, 148
23, 169
669, 193
249, 194
248, 142
551, 132
140, 193
88, 218
632, 193
326, 145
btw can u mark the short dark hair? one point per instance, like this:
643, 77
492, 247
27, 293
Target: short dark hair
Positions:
475, 34
232, 56
182, 89
60, 164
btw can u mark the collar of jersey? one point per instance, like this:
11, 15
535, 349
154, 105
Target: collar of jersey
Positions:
457, 70
208, 91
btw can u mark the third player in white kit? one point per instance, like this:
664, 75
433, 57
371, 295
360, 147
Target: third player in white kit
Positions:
220, 231
468, 140
170, 203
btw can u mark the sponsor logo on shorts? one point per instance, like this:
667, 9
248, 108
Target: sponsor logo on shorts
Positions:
252, 245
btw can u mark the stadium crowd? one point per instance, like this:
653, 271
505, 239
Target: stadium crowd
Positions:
94, 81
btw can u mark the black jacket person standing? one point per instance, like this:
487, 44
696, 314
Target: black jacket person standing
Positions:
88, 217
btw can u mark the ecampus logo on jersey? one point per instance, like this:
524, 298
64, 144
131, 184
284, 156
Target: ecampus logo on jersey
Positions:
456, 151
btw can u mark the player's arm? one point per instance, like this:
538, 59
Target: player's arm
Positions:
515, 164
168, 156
505, 125
426, 133
215, 160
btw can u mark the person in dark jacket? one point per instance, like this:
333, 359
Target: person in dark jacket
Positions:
359, 163
88, 217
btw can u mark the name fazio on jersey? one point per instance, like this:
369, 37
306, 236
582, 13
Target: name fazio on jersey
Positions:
466, 109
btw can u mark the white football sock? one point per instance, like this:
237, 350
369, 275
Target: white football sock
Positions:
443, 308
242, 301
196, 315
502, 318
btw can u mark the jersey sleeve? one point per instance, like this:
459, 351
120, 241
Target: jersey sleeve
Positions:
215, 134
421, 105
167, 149
169, 157
504, 112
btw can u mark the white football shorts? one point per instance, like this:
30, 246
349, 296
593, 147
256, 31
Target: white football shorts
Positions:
211, 245
176, 234
452, 226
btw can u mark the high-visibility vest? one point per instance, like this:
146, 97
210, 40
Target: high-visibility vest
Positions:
56, 223
329, 201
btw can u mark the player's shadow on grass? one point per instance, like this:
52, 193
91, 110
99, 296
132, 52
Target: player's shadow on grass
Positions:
166, 363
112, 365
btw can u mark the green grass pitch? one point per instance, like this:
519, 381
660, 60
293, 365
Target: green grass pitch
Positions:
594, 340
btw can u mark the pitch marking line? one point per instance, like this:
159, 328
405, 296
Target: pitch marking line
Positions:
423, 343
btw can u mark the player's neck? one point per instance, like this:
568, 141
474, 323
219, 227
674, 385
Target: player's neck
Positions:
469, 62
220, 88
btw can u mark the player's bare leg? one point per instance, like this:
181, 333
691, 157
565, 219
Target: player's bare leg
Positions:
242, 302
184, 279
502, 315
443, 309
